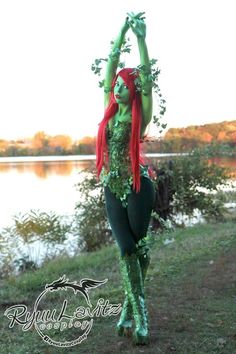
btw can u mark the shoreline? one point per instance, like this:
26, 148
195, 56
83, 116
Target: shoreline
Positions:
16, 159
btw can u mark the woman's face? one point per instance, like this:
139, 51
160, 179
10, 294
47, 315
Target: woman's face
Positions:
121, 91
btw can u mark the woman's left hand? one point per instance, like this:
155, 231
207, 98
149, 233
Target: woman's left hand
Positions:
137, 24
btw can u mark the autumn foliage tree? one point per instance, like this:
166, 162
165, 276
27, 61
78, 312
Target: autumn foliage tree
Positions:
60, 143
40, 141
86, 145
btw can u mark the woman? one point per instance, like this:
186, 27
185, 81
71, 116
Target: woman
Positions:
129, 191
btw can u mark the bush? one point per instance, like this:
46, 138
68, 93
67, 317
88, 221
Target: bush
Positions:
38, 225
47, 229
6, 255
91, 220
190, 183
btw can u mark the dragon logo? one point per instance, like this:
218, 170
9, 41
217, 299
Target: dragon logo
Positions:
63, 322
85, 284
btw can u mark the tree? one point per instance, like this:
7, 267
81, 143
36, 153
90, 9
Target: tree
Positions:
60, 143
40, 141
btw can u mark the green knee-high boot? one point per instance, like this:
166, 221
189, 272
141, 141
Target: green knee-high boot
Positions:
134, 287
124, 325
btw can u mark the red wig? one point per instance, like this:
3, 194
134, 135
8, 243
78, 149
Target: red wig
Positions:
128, 75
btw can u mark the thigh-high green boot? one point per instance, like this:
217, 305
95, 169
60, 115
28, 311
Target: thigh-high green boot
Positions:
124, 325
134, 287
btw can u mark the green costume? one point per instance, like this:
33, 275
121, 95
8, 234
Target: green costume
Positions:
128, 209
119, 178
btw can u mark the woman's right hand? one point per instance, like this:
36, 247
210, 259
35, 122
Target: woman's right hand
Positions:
125, 26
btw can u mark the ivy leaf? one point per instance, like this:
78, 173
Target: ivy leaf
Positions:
121, 65
97, 61
153, 61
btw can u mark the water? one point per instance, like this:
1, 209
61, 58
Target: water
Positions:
48, 183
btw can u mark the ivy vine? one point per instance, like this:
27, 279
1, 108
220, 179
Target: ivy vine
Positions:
149, 73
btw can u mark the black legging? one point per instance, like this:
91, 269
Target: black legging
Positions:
129, 224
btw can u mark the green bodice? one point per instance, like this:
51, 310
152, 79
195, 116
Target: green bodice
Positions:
119, 176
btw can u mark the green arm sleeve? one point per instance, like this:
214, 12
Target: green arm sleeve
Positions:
146, 93
113, 61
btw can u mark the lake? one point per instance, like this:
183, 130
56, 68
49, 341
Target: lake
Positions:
48, 183
44, 183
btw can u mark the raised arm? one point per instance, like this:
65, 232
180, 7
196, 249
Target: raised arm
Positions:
113, 61
139, 28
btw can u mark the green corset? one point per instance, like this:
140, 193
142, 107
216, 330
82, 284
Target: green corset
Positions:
119, 177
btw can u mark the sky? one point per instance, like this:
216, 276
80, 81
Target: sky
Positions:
47, 48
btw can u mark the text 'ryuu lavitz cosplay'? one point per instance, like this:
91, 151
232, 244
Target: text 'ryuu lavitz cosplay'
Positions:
128, 186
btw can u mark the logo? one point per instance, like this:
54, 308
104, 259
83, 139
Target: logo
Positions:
66, 325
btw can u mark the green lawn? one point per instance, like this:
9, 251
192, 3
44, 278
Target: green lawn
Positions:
190, 291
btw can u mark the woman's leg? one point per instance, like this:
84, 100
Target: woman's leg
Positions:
130, 261
119, 222
118, 219
140, 206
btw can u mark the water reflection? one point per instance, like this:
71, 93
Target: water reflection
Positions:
5, 167
227, 162
47, 168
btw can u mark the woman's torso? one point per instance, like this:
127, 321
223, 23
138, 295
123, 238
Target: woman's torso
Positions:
118, 177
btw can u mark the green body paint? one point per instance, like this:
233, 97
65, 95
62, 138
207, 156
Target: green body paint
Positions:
121, 92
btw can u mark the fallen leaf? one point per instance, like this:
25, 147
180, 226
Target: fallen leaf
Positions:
220, 342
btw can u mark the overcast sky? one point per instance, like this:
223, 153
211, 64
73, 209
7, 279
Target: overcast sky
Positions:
47, 48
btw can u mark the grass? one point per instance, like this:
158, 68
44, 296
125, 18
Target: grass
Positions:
190, 293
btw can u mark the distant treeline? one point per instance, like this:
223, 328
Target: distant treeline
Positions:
43, 144
217, 138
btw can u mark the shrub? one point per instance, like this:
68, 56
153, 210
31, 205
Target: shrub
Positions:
38, 225
47, 229
191, 183
6, 255
91, 220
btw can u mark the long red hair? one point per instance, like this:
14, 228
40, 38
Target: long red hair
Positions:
128, 75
